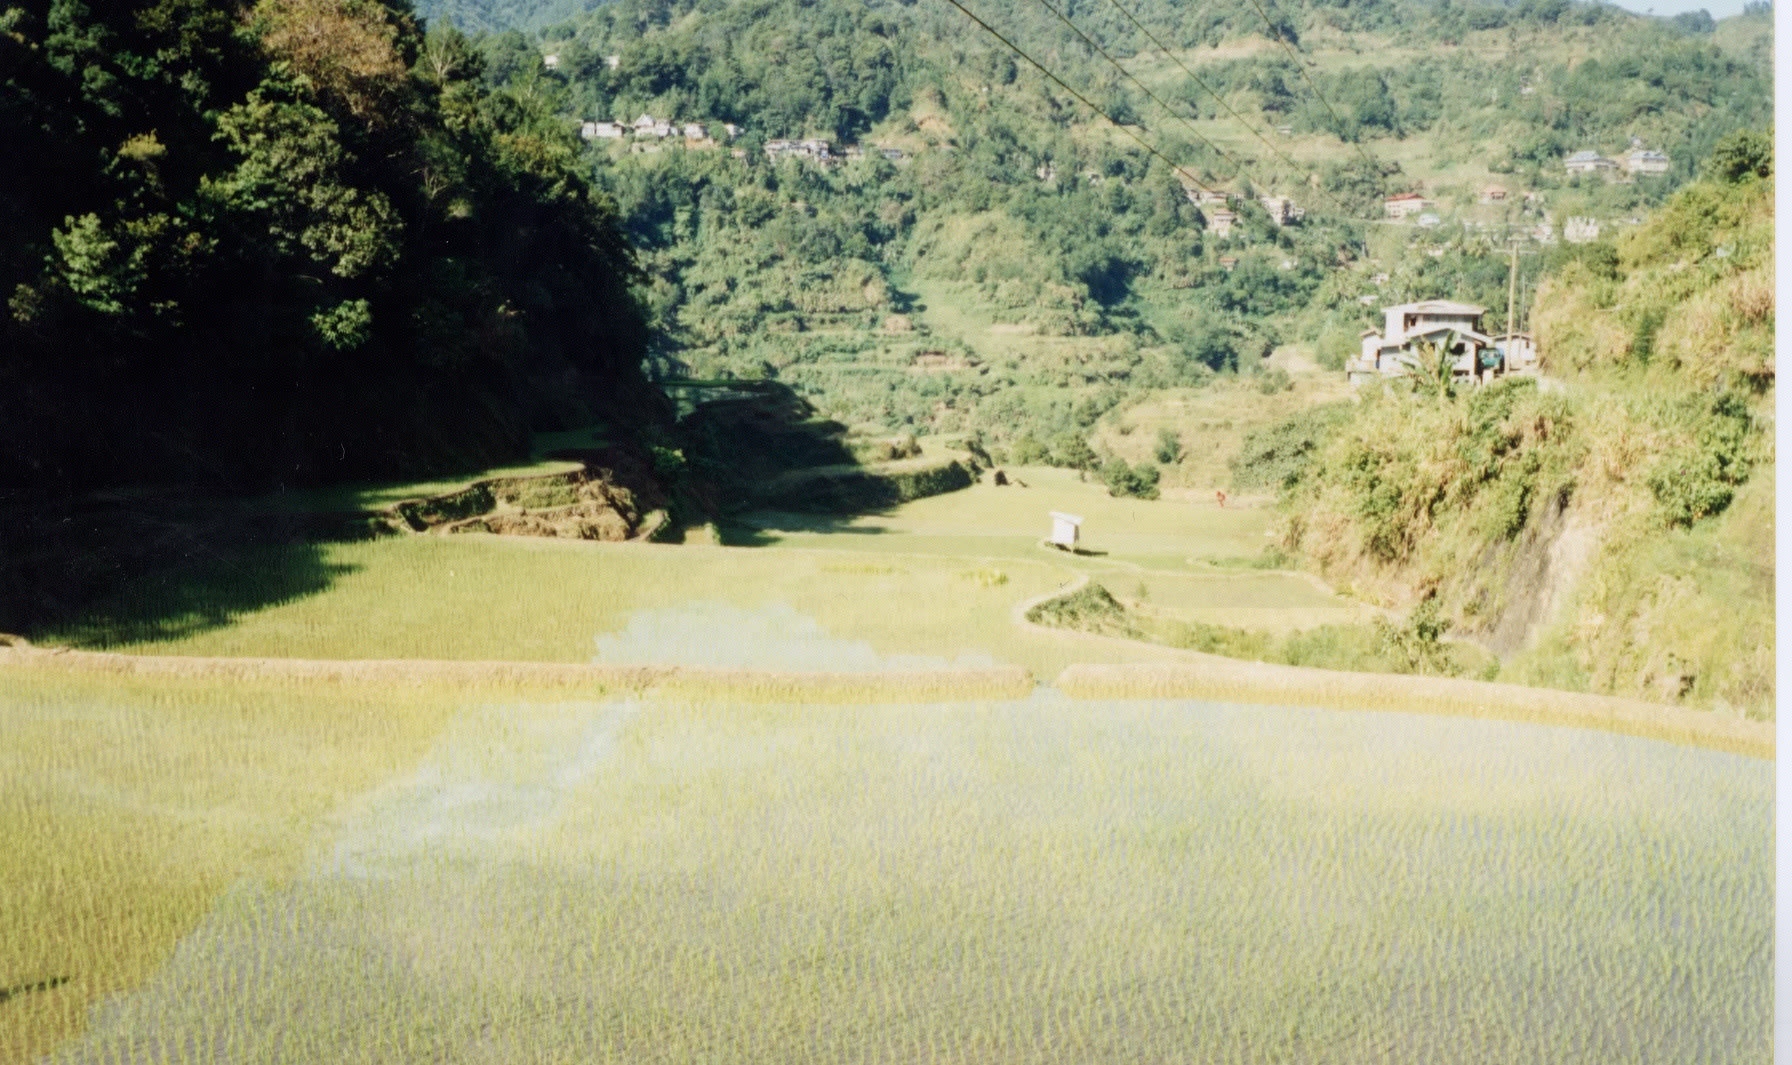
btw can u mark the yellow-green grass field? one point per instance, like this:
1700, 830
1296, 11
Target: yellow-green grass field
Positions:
937, 578
336, 874
1211, 423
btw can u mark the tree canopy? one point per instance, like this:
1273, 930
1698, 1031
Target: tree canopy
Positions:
289, 241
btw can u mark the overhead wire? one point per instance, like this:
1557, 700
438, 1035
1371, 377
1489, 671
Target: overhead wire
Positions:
1238, 167
1084, 100
1217, 97
1276, 35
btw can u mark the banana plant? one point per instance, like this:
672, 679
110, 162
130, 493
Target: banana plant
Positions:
1431, 367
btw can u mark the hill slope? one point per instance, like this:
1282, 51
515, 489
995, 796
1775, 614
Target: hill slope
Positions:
1612, 532
1019, 263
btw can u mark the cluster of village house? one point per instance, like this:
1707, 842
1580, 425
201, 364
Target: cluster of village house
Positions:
1639, 162
1412, 332
1216, 207
648, 127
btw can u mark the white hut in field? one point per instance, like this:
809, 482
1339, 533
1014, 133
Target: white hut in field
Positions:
1064, 530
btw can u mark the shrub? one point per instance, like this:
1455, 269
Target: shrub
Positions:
1276, 457
1090, 608
1028, 451
1700, 482
1744, 153
1169, 447
1071, 451
1123, 480
1417, 646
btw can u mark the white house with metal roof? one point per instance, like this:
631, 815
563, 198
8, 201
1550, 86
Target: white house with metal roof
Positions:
1588, 162
1394, 350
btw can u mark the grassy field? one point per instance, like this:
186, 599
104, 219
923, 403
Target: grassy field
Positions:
936, 578
289, 876
1211, 423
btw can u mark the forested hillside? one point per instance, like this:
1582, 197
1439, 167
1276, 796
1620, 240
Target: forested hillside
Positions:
1613, 532
249, 245
996, 257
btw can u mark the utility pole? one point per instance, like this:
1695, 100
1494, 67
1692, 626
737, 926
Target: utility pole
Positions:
1512, 295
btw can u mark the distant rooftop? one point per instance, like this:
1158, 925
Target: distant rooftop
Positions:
1438, 307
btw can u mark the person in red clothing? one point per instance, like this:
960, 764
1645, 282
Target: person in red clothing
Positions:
1221, 496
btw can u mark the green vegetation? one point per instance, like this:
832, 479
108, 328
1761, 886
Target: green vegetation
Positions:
1415, 646
1277, 456
1559, 526
132, 805
284, 274
250, 245
1017, 269
1122, 480
668, 880
1090, 608
903, 580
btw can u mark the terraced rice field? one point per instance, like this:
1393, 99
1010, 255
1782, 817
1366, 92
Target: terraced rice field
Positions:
937, 578
311, 871
301, 875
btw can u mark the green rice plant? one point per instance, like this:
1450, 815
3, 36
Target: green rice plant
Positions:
678, 879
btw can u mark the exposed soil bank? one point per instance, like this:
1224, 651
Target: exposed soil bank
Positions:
1212, 677
614, 496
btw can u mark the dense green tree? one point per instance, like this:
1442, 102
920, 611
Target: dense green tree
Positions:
289, 242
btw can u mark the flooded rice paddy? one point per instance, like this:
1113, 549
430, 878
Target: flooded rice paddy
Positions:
1035, 880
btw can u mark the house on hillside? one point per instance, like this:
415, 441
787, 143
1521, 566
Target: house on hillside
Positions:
601, 130
1406, 203
1220, 221
1282, 210
813, 150
1518, 352
1647, 162
1588, 162
1494, 194
645, 124
694, 131
1227, 262
1408, 331
1581, 230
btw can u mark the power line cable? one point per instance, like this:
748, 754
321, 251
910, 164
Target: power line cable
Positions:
1084, 100
1237, 166
1217, 97
1276, 35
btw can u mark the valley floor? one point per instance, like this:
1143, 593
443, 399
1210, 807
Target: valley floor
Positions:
548, 840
